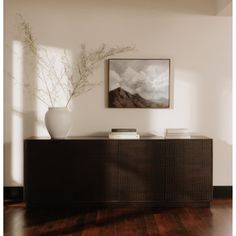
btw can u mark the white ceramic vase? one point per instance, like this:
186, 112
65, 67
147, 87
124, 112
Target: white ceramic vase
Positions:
58, 122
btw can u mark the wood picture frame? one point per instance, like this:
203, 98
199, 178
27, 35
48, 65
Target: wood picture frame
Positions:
139, 83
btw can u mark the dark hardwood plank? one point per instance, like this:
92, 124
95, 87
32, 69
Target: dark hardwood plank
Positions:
169, 224
152, 229
124, 221
104, 219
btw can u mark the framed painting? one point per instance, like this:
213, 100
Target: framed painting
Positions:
139, 83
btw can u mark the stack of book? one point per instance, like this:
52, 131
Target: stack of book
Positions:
124, 134
177, 134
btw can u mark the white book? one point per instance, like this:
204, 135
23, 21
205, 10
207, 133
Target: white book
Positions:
120, 136
178, 137
123, 133
177, 131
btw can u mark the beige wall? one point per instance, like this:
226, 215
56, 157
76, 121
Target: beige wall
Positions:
188, 32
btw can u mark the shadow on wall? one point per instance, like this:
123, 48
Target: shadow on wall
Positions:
8, 164
200, 7
222, 162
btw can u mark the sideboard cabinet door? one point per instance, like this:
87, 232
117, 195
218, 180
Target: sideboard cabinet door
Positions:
189, 170
70, 171
141, 171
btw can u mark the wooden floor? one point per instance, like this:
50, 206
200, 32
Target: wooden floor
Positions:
214, 221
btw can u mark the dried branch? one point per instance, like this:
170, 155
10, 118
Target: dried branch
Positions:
72, 79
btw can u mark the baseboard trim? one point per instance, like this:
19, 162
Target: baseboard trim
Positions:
16, 193
13, 193
222, 192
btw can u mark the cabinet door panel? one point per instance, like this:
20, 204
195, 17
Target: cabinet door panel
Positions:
141, 171
71, 171
189, 170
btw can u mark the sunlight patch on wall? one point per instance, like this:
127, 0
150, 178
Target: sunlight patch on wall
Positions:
17, 115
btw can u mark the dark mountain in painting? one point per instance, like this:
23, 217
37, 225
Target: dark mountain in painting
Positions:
119, 98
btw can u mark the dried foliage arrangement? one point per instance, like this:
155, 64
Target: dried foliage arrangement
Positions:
72, 79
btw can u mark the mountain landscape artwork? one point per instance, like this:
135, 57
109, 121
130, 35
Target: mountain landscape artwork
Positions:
139, 83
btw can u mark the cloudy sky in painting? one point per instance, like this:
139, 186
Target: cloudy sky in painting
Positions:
148, 78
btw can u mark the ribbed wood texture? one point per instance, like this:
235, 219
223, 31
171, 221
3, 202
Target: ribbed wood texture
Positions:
58, 172
107, 172
141, 171
189, 170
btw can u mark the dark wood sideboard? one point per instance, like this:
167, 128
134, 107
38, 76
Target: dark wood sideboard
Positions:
102, 172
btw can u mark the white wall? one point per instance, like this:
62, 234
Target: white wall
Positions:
188, 32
